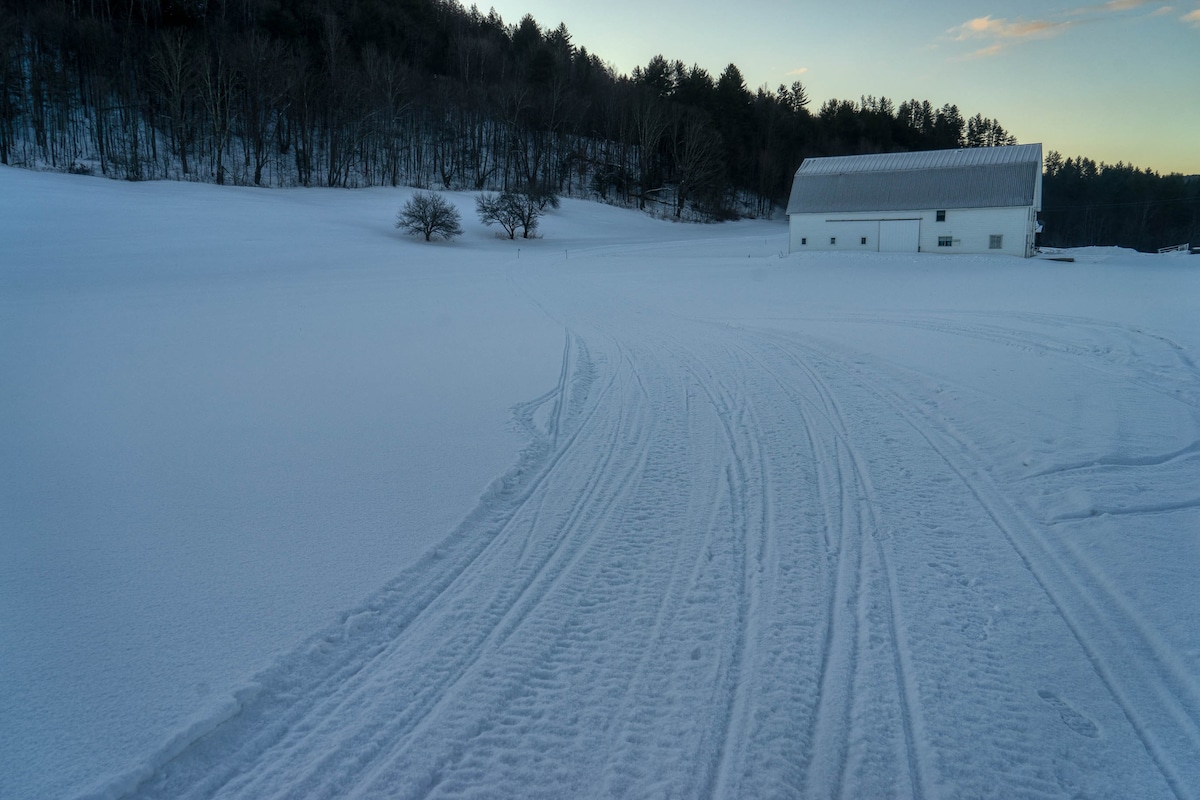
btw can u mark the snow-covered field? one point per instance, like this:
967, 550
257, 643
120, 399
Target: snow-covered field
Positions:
293, 506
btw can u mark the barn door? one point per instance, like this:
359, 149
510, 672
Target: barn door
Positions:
899, 235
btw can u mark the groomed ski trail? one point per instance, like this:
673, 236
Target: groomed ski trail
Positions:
730, 563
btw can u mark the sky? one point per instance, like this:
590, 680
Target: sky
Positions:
1115, 81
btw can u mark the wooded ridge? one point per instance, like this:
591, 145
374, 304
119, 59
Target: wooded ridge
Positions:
432, 94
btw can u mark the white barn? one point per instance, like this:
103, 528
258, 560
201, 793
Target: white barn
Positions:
974, 200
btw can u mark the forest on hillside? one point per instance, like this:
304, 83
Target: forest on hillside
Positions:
434, 94
1088, 203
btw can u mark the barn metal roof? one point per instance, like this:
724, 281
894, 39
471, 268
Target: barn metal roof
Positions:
978, 177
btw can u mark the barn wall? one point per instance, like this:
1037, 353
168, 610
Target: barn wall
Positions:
969, 229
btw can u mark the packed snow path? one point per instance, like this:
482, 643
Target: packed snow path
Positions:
758, 561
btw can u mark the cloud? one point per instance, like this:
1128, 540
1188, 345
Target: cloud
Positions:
987, 52
1000, 34
993, 28
1125, 5
1003, 33
798, 71
1111, 7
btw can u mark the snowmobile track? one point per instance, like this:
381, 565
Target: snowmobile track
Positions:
712, 573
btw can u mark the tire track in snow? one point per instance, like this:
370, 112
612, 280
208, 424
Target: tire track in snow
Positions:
855, 516
1135, 684
741, 479
1160, 366
604, 487
560, 393
962, 453
591, 572
700, 580
906, 695
1090, 621
382, 721
338, 680
737, 508
636, 723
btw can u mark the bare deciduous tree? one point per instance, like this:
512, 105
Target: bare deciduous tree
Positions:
696, 148
649, 124
175, 73
510, 211
218, 88
429, 215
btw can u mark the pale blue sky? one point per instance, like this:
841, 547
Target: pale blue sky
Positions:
1114, 81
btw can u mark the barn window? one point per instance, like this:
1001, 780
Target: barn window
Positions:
945, 241
941, 216
833, 240
864, 240
995, 242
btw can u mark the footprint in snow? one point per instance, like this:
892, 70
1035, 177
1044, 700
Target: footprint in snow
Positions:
1070, 717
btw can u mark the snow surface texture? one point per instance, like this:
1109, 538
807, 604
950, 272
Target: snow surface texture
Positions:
813, 526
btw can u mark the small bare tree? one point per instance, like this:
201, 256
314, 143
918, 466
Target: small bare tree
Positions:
429, 215
510, 211
494, 208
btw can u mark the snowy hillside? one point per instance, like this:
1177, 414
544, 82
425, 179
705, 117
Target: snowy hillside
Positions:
294, 506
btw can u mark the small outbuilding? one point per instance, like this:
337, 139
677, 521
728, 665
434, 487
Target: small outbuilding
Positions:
973, 200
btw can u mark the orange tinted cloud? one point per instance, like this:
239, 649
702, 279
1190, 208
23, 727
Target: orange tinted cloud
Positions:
1125, 5
991, 27
984, 52
1112, 6
1005, 32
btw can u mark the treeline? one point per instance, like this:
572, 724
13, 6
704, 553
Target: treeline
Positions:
429, 93
414, 92
1086, 203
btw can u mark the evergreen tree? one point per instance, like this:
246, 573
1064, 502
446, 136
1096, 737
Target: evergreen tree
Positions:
426, 92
